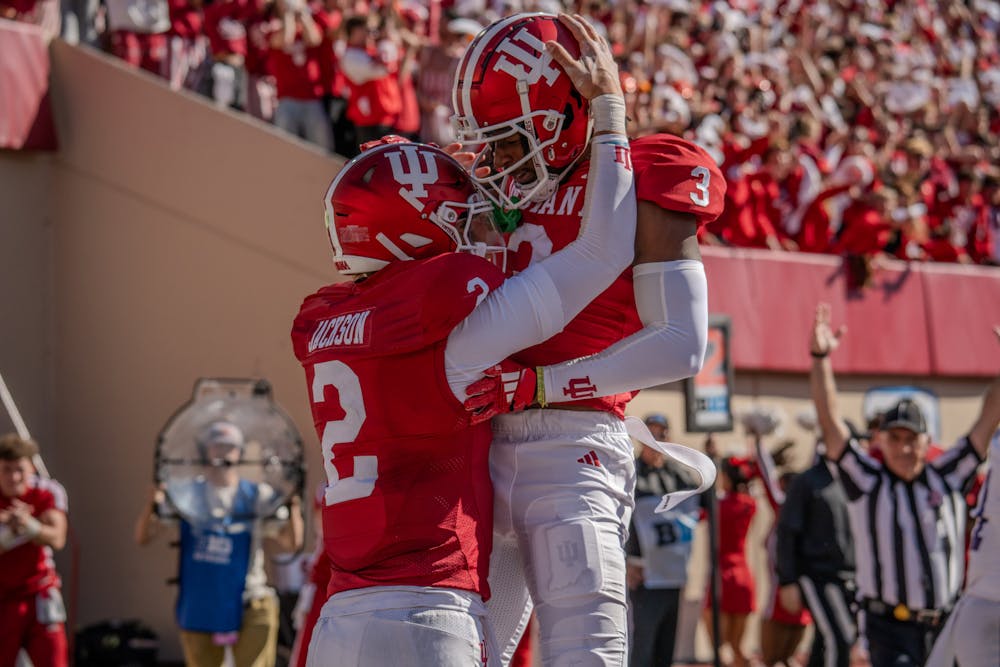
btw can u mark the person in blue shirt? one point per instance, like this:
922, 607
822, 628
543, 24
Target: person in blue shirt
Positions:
223, 598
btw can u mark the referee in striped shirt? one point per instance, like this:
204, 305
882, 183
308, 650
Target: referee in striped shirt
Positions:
907, 515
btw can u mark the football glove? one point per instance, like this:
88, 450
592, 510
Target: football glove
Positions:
506, 387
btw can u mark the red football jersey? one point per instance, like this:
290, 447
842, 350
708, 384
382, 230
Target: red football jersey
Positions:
28, 568
225, 26
301, 72
670, 172
409, 499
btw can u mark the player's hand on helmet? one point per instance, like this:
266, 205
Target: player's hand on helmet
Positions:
824, 339
466, 158
595, 72
506, 387
385, 140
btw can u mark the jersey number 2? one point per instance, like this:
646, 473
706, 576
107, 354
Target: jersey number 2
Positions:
339, 489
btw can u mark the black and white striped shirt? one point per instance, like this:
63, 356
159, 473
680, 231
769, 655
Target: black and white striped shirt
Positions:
909, 537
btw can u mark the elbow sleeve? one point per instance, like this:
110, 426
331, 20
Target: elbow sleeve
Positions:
672, 302
672, 298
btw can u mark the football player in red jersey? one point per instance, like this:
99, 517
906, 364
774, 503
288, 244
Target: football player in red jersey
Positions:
564, 476
408, 510
32, 523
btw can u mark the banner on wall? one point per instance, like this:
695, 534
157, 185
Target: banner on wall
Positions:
708, 395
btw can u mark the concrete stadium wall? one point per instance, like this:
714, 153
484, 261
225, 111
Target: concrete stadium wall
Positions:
26, 287
167, 241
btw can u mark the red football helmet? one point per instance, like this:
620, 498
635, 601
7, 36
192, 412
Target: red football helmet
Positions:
508, 84
402, 201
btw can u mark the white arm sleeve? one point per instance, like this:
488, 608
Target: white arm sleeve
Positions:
538, 302
672, 300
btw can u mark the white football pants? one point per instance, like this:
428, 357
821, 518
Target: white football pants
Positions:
563, 482
401, 626
971, 637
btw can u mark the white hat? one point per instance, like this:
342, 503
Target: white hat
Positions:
221, 433
469, 27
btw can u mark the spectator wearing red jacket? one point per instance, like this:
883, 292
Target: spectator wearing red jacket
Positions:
188, 56
406, 30
262, 90
375, 99
299, 49
816, 232
971, 217
438, 64
866, 227
140, 37
226, 29
991, 195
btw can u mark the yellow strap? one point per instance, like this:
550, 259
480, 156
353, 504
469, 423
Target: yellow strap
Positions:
540, 387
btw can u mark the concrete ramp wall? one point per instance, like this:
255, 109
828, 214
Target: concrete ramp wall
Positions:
166, 240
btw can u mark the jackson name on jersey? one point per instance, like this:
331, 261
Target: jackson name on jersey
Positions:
408, 500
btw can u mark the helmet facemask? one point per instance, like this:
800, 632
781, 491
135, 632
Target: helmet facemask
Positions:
472, 228
498, 186
402, 201
508, 85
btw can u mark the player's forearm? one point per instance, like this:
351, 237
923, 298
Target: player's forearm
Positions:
672, 300
548, 294
605, 246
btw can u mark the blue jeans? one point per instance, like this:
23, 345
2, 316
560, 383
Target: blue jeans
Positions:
305, 119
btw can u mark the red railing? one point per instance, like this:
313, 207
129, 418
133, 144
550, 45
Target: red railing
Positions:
916, 318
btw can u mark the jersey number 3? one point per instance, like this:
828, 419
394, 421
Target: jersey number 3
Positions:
704, 177
361, 483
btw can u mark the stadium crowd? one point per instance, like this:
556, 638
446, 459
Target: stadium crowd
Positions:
846, 145
862, 129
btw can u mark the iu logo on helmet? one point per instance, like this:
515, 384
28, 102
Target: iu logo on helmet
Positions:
528, 59
415, 175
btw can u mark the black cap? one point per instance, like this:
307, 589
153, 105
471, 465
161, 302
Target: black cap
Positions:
657, 418
905, 414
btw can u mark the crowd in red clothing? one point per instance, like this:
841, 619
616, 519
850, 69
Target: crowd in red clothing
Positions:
863, 129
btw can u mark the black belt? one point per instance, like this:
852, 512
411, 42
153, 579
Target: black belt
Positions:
900, 612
